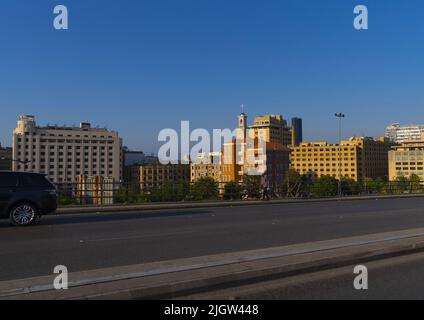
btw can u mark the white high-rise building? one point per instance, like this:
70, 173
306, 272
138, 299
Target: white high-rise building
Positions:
401, 134
64, 153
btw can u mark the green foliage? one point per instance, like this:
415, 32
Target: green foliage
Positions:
129, 194
351, 187
66, 201
252, 186
294, 185
325, 186
401, 184
232, 191
415, 183
204, 189
374, 186
170, 192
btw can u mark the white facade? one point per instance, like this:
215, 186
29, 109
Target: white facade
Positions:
64, 153
401, 134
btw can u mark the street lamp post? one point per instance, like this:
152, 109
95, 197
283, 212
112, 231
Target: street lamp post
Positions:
340, 116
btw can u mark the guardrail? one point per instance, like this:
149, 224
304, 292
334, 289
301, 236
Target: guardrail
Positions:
108, 193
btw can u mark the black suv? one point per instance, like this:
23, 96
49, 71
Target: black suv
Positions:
25, 196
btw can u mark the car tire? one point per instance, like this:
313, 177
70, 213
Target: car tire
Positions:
23, 214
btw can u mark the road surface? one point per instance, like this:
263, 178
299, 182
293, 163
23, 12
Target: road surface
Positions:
400, 278
93, 241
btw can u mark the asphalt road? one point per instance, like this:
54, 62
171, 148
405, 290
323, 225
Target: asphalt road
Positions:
86, 242
399, 278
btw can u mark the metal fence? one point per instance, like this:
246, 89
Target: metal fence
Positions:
129, 193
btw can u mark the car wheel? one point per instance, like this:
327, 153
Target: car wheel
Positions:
23, 214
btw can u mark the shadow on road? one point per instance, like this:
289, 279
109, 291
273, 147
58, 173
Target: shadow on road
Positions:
108, 217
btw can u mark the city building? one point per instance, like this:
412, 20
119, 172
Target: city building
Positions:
297, 131
361, 157
272, 129
277, 164
95, 190
64, 153
132, 157
231, 169
407, 159
206, 165
154, 175
400, 134
5, 158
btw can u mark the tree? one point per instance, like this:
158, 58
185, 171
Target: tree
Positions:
232, 191
350, 187
325, 186
252, 186
379, 185
129, 194
415, 183
170, 192
401, 184
367, 185
294, 185
204, 189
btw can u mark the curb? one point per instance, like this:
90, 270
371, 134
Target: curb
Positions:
178, 278
152, 207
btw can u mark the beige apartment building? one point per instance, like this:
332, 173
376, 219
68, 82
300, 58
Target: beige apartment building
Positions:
407, 159
64, 153
361, 157
272, 129
206, 166
95, 190
153, 175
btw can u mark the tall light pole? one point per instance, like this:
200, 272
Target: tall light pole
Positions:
340, 116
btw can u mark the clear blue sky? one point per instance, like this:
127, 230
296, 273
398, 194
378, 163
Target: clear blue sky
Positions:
139, 66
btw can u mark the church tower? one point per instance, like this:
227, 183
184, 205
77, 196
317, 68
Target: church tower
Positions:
242, 124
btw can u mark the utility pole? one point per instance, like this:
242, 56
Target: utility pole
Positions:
340, 116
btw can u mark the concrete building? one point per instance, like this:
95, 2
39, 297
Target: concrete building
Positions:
272, 129
132, 157
5, 158
407, 159
151, 176
64, 153
95, 190
297, 131
277, 164
361, 157
207, 165
400, 134
231, 169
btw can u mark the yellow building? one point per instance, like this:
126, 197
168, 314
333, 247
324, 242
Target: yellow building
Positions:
361, 157
407, 159
231, 169
272, 129
95, 190
154, 175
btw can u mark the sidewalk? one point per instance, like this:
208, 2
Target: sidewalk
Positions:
212, 204
176, 278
